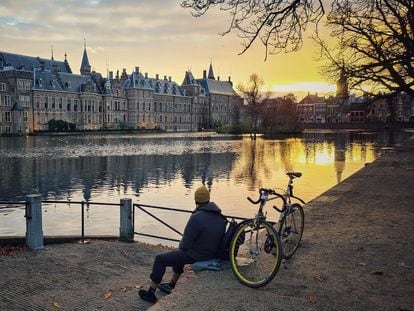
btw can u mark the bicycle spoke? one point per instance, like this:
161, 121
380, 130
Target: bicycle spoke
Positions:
255, 263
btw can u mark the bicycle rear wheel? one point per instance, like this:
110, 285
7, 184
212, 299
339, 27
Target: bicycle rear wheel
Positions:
292, 230
255, 253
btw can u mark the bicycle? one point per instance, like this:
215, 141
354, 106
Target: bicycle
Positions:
257, 247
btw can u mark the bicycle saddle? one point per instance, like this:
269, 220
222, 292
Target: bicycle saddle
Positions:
294, 174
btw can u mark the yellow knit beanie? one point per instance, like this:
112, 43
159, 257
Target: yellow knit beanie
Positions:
202, 195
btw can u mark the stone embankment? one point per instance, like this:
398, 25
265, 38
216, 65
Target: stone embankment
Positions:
357, 254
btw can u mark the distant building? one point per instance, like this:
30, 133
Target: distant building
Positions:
312, 109
35, 91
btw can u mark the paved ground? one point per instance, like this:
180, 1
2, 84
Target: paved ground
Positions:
357, 254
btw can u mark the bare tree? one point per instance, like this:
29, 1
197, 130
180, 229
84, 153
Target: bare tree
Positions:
375, 36
375, 46
254, 97
279, 25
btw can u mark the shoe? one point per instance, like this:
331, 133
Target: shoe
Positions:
147, 296
165, 288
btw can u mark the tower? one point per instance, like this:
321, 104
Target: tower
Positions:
85, 68
342, 85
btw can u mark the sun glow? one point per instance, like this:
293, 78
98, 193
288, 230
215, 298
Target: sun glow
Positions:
313, 87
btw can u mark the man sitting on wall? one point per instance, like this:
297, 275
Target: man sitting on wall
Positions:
202, 236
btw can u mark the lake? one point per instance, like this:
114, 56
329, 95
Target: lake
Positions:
165, 169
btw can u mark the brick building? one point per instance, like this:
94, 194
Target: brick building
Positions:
35, 91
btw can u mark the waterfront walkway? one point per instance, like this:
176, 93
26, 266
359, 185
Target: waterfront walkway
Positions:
357, 254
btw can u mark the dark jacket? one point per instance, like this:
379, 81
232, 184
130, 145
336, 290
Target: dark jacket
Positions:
203, 232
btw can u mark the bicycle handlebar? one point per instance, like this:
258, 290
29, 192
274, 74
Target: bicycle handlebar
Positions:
253, 202
267, 191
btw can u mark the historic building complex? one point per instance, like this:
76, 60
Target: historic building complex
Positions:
37, 93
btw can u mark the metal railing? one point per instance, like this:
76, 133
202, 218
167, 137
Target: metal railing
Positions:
82, 204
143, 208
6, 204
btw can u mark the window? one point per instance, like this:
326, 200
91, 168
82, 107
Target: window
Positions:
68, 107
7, 129
7, 116
6, 100
25, 116
53, 103
27, 85
20, 85
2, 87
24, 101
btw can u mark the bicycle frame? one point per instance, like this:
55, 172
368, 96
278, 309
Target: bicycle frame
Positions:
286, 198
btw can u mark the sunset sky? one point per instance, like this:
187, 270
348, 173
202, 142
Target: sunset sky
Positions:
157, 35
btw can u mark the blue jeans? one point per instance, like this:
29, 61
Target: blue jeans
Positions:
175, 259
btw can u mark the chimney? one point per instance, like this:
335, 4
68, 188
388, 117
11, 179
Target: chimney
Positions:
157, 76
165, 77
136, 69
146, 75
204, 74
111, 75
229, 79
169, 78
218, 78
117, 74
231, 83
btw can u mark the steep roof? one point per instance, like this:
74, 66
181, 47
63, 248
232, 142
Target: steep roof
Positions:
63, 81
189, 79
217, 87
23, 62
76, 83
45, 80
159, 86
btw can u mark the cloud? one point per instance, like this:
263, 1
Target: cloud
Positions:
101, 20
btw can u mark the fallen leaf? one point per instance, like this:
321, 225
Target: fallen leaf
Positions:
319, 278
139, 286
56, 306
312, 298
108, 295
71, 267
124, 289
362, 263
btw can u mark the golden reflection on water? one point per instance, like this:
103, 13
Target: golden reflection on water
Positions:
263, 163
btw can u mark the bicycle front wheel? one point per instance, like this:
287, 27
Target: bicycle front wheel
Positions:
292, 230
255, 253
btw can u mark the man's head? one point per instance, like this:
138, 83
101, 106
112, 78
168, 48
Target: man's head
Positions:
202, 195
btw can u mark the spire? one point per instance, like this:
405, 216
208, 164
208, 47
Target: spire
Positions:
85, 67
210, 72
67, 64
52, 52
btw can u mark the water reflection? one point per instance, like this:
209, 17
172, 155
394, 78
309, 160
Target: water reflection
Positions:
164, 169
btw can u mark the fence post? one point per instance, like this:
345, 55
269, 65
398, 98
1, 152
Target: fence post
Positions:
126, 229
34, 231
